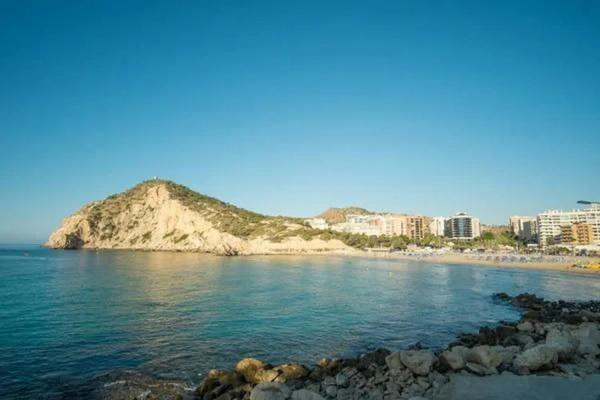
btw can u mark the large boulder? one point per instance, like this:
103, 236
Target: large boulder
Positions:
250, 369
454, 358
393, 361
588, 335
419, 362
485, 356
564, 343
270, 391
507, 353
288, 372
538, 357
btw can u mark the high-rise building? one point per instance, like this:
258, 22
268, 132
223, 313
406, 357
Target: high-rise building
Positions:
550, 223
437, 226
530, 231
517, 224
463, 226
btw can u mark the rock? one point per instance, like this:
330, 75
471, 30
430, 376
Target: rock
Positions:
344, 376
331, 391
304, 394
485, 356
538, 357
345, 394
525, 326
265, 375
376, 357
588, 335
248, 368
225, 377
508, 353
419, 362
480, 369
288, 372
454, 358
564, 343
270, 391
519, 339
393, 361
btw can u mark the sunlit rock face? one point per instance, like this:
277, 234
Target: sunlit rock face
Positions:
161, 215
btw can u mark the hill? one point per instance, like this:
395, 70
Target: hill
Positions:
337, 215
163, 215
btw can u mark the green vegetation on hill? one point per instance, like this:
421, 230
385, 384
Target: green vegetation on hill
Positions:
249, 225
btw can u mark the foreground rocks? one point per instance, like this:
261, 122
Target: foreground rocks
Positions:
551, 339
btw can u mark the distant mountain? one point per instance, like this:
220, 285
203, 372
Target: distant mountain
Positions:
163, 215
337, 215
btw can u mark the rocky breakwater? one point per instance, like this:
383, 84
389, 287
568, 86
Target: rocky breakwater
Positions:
552, 338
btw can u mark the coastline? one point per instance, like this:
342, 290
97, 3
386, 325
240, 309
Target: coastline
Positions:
544, 262
557, 343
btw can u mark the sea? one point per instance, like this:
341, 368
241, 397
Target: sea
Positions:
73, 320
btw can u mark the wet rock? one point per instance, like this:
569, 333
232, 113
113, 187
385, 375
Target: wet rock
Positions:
304, 394
270, 391
538, 357
419, 362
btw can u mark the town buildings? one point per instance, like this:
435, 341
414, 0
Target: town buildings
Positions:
550, 224
317, 223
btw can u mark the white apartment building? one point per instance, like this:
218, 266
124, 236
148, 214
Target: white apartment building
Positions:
549, 222
437, 226
364, 224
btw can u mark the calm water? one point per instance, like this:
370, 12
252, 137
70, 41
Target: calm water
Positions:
69, 317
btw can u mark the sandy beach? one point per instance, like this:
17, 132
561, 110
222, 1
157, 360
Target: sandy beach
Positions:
555, 263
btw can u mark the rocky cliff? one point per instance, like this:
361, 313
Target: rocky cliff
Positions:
162, 215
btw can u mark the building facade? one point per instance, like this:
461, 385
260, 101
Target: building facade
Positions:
463, 227
550, 223
517, 224
437, 226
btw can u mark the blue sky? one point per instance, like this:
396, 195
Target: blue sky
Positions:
292, 107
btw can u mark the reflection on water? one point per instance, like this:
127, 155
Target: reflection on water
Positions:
66, 317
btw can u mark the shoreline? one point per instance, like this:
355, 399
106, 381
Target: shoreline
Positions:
555, 342
547, 263
539, 262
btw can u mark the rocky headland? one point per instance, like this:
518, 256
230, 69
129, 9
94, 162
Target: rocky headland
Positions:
163, 215
554, 348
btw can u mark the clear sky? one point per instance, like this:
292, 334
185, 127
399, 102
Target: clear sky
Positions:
285, 107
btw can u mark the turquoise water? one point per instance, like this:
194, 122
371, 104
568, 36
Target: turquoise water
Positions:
68, 317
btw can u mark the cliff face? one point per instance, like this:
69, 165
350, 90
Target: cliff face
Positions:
161, 215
